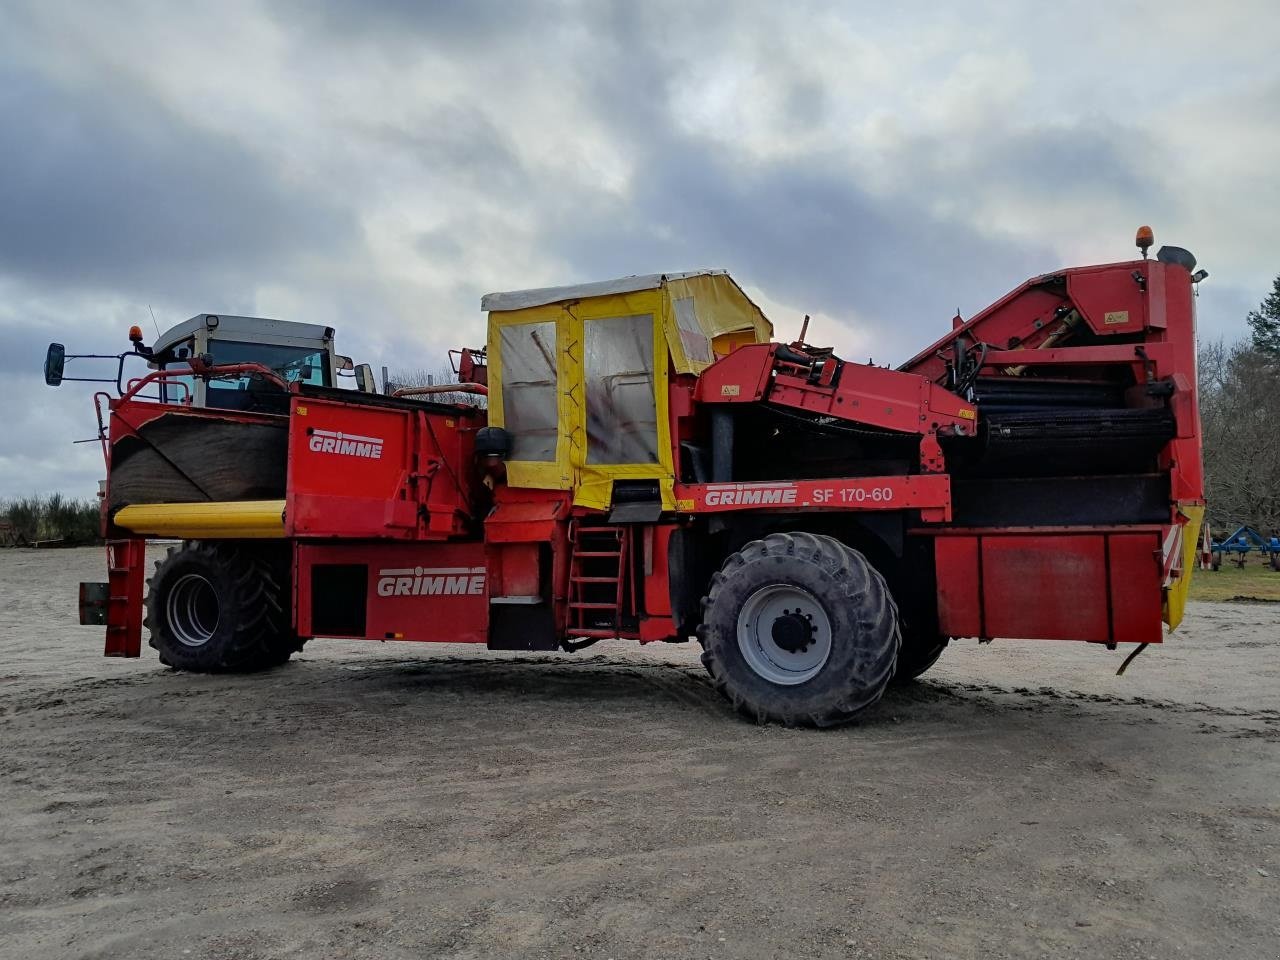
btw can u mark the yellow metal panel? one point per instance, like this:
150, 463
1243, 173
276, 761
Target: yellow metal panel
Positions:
1175, 595
238, 520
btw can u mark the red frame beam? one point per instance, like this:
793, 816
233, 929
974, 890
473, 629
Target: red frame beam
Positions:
928, 493
126, 577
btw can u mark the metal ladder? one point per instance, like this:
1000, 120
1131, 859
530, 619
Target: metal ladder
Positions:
599, 566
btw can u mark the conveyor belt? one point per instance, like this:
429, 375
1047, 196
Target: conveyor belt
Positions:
1008, 427
1027, 393
1073, 441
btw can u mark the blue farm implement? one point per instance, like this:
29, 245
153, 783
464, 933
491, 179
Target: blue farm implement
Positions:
1240, 544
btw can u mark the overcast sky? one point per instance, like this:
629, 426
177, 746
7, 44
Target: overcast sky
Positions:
378, 166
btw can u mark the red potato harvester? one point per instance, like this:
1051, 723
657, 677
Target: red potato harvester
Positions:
652, 466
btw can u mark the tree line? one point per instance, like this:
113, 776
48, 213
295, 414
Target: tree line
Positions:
1240, 419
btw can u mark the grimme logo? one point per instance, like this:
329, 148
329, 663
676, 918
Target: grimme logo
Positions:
746, 494
331, 441
431, 582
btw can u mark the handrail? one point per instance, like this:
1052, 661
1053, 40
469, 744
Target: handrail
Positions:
188, 396
209, 372
477, 388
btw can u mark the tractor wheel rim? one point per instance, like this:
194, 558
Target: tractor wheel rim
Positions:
193, 610
767, 634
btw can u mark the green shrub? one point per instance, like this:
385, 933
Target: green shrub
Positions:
54, 518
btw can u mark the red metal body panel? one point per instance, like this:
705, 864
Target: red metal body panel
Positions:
1184, 458
657, 588
1100, 585
1092, 356
1135, 573
433, 592
526, 516
358, 470
1036, 586
741, 377
1110, 301
515, 569
524, 524
128, 415
959, 579
654, 629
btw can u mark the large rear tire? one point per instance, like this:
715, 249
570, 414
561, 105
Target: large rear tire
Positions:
799, 629
916, 657
219, 607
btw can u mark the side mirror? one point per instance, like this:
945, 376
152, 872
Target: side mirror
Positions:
343, 363
364, 379
54, 360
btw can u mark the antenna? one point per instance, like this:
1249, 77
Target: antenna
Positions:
153, 320
804, 327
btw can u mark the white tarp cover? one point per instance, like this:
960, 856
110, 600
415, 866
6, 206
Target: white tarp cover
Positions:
523, 299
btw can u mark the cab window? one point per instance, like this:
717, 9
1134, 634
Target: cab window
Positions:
529, 393
622, 413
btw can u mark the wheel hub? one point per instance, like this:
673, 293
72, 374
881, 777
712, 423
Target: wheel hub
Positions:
193, 610
784, 634
792, 632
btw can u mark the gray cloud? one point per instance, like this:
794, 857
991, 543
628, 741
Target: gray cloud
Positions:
457, 141
810, 236
101, 192
475, 23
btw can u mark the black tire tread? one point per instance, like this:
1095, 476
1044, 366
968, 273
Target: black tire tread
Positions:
261, 636
915, 659
860, 583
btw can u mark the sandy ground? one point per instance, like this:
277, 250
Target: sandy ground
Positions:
374, 800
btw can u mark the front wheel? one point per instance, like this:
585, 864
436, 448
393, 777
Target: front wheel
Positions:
218, 607
800, 629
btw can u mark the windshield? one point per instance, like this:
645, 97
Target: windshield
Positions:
295, 364
308, 365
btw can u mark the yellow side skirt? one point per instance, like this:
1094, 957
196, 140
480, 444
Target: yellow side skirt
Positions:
1175, 594
239, 520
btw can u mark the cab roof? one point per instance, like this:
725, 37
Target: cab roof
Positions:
229, 327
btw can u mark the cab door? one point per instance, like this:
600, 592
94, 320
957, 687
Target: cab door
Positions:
528, 366
581, 387
622, 408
